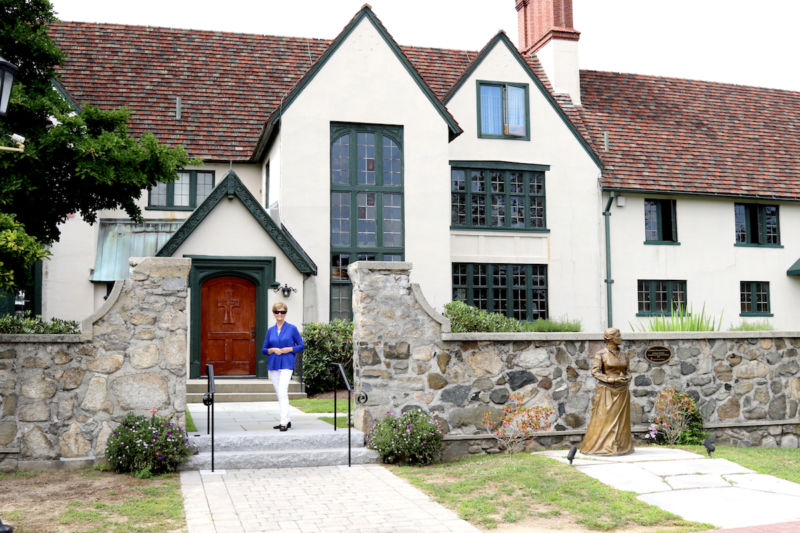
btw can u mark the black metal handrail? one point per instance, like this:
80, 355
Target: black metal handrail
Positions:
208, 401
361, 398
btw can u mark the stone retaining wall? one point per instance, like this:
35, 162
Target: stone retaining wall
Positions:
746, 384
63, 395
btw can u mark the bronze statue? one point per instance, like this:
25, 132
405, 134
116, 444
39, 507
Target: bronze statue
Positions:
609, 430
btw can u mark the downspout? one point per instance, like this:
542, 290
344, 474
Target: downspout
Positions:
608, 280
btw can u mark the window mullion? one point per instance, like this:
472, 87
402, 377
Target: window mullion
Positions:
470, 285
507, 198
192, 188
529, 292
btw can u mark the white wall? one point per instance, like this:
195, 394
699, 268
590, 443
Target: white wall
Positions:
706, 258
364, 82
573, 247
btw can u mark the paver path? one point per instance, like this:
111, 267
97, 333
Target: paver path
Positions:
329, 499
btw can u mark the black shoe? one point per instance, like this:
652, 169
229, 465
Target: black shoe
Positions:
283, 428
288, 426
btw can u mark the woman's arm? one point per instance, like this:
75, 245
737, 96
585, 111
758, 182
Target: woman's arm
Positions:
597, 368
299, 345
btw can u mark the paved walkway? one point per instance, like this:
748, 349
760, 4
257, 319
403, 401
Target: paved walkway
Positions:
369, 498
698, 488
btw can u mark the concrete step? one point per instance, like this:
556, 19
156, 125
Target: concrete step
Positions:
237, 385
280, 459
197, 397
278, 441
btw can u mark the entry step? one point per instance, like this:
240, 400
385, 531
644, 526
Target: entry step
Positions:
240, 390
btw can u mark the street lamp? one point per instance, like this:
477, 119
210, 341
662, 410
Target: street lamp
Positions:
7, 73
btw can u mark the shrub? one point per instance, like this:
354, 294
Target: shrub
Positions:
326, 344
146, 447
414, 438
763, 325
26, 324
466, 319
683, 320
517, 423
677, 419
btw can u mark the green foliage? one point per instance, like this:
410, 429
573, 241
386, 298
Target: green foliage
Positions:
145, 447
75, 161
414, 438
763, 325
17, 250
677, 419
682, 320
25, 324
326, 344
467, 319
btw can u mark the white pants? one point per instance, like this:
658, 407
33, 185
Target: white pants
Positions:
280, 380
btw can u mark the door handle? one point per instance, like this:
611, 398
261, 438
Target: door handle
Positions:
253, 333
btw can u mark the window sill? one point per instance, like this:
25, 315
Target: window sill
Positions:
756, 314
660, 314
751, 245
494, 228
665, 243
166, 208
504, 137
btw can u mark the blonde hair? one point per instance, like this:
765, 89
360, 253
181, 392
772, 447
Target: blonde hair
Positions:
279, 305
611, 332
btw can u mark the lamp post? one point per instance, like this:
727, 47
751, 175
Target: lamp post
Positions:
7, 73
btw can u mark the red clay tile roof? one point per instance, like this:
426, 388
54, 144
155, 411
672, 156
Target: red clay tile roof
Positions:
696, 137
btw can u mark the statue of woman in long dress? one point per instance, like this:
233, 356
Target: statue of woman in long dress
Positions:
609, 430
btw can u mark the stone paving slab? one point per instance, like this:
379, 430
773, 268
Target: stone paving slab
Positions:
626, 477
765, 483
363, 498
698, 481
692, 467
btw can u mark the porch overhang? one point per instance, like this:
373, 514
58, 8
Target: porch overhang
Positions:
794, 270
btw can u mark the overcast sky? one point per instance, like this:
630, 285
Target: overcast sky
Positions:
751, 42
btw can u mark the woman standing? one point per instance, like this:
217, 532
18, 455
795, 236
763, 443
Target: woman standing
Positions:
609, 430
281, 346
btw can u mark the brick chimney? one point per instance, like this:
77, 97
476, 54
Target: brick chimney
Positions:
545, 28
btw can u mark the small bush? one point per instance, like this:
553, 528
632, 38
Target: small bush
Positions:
26, 324
764, 325
326, 344
518, 423
467, 319
414, 438
683, 320
677, 419
147, 447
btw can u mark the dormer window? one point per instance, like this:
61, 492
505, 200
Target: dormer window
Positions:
184, 194
503, 110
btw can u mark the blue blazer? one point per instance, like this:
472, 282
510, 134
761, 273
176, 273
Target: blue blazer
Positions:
289, 336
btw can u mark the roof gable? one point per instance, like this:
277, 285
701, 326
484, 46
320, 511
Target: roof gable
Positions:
502, 39
365, 13
232, 187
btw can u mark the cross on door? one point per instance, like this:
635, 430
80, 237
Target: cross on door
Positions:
228, 304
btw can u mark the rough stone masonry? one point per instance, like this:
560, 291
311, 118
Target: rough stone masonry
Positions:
63, 395
746, 384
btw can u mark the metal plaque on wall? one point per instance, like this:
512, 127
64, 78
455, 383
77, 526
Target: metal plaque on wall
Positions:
658, 355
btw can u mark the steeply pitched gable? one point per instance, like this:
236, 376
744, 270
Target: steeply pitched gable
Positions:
232, 187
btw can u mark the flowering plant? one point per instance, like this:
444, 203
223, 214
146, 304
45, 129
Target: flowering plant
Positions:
518, 423
414, 438
146, 447
677, 419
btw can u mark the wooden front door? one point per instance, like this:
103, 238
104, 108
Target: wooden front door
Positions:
228, 326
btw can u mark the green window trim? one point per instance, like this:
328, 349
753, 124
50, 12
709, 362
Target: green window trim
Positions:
757, 225
663, 243
505, 199
194, 201
660, 221
515, 290
657, 297
754, 298
364, 192
505, 120
751, 245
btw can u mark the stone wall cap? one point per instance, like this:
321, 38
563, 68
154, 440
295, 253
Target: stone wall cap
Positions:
50, 338
381, 265
649, 336
524, 336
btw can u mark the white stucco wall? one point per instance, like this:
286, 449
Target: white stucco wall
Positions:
364, 82
706, 258
572, 249
559, 58
66, 290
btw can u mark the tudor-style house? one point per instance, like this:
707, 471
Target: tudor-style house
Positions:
509, 178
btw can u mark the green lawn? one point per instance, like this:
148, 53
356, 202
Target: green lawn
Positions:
341, 421
310, 405
779, 462
491, 490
